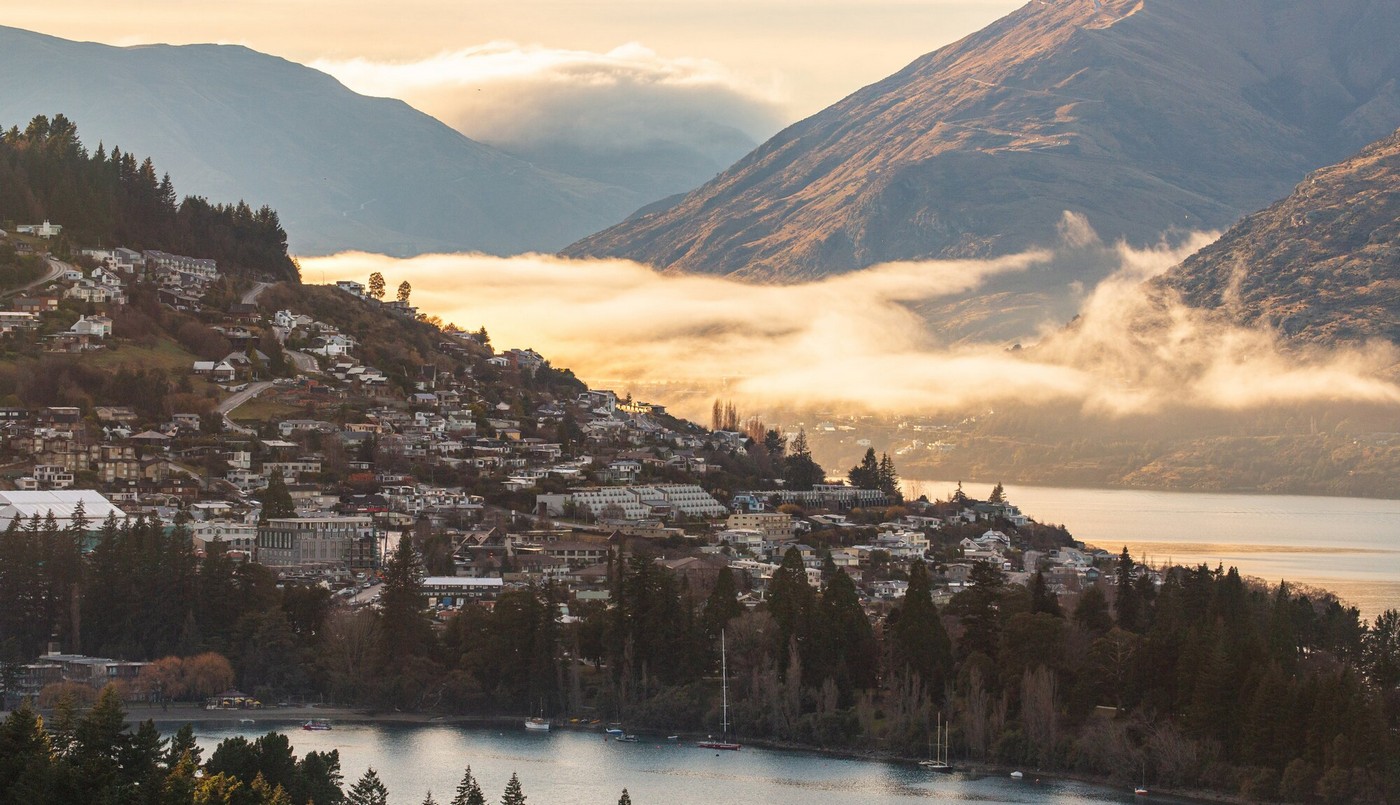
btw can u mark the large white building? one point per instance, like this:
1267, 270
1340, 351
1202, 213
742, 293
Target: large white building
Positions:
62, 503
635, 502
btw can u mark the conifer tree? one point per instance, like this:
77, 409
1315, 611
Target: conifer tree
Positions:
919, 642
469, 791
277, 500
368, 791
866, 474
723, 604
888, 477
513, 795
1125, 603
625, 799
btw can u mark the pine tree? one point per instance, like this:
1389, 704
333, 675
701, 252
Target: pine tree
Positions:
998, 494
723, 604
513, 795
866, 474
625, 799
277, 500
368, 791
428, 800
888, 477
919, 642
1125, 603
800, 471
468, 791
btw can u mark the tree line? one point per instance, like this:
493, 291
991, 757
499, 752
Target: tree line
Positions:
94, 757
1195, 675
115, 199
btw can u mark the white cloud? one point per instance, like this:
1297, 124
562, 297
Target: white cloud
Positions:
517, 95
852, 341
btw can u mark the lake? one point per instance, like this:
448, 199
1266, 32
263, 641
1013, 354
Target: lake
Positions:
1350, 546
567, 767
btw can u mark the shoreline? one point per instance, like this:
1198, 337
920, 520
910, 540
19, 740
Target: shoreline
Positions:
282, 717
293, 717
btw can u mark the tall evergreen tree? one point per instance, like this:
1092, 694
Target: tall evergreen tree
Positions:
368, 790
919, 644
1126, 604
513, 795
800, 471
469, 791
866, 474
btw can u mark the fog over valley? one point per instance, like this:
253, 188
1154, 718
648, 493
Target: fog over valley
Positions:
852, 341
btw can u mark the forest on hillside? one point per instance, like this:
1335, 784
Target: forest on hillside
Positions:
114, 199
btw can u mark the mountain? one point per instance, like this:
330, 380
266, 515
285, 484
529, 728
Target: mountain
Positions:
1320, 266
1144, 116
345, 171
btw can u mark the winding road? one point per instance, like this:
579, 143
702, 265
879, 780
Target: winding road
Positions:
56, 269
238, 398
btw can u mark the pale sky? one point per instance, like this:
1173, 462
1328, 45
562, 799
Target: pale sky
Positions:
797, 55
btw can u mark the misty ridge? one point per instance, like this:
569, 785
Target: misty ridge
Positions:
856, 342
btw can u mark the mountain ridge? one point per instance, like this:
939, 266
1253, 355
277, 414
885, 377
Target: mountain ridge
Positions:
1145, 117
1319, 266
346, 171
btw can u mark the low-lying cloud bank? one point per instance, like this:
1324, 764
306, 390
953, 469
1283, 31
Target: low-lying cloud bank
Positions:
851, 341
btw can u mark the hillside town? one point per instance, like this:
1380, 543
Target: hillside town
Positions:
315, 462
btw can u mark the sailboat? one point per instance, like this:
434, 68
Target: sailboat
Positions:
1141, 790
938, 751
724, 742
537, 723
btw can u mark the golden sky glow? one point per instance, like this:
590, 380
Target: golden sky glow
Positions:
806, 54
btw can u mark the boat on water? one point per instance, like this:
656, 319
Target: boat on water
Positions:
246, 721
1140, 790
1016, 775
317, 725
938, 750
626, 739
723, 742
537, 724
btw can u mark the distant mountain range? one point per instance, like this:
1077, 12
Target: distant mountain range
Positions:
1320, 266
1144, 116
345, 171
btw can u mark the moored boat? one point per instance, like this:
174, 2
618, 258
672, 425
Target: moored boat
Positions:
317, 725
537, 724
938, 751
723, 742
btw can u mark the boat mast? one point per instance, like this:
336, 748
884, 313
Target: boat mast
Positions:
724, 685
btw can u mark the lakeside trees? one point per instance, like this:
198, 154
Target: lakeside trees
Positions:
1216, 681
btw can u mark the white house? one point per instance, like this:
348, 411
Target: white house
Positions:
95, 326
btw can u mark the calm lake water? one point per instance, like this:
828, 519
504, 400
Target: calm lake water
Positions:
580, 768
1350, 546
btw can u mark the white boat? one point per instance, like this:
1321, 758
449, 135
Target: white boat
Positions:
317, 725
938, 752
1016, 775
723, 742
537, 724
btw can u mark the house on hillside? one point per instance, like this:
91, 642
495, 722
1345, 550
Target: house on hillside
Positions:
94, 326
217, 371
